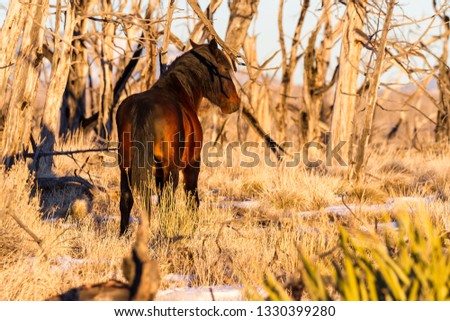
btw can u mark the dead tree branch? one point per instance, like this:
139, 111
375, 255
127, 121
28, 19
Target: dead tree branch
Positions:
234, 55
35, 238
288, 63
164, 57
199, 33
273, 145
127, 72
372, 95
70, 152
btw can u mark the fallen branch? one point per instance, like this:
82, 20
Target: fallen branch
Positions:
70, 152
273, 145
26, 229
35, 238
222, 128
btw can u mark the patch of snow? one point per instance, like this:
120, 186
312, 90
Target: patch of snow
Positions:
205, 293
104, 219
308, 230
61, 263
178, 279
389, 225
393, 225
342, 210
202, 293
412, 199
67, 262
51, 219
252, 204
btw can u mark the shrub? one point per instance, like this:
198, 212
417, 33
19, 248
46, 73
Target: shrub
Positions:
411, 263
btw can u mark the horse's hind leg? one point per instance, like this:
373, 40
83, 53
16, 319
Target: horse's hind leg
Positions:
190, 174
126, 200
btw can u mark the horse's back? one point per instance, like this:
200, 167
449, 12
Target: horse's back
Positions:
151, 118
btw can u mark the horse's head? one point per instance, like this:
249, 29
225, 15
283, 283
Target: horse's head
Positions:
222, 91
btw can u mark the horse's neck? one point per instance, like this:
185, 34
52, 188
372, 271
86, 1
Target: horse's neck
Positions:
186, 88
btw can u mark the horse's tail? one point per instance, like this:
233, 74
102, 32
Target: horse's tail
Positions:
142, 158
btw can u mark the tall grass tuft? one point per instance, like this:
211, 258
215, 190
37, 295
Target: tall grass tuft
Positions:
176, 219
411, 263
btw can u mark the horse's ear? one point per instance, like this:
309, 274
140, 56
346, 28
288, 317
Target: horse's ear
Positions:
193, 44
213, 46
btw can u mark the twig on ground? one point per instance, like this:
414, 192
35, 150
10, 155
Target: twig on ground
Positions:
33, 235
350, 210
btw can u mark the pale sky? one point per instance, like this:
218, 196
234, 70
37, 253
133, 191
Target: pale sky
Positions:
265, 26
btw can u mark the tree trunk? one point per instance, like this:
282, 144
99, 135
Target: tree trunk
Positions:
372, 96
442, 129
316, 63
9, 35
104, 126
258, 92
288, 65
242, 13
20, 112
346, 88
165, 44
148, 76
62, 56
74, 102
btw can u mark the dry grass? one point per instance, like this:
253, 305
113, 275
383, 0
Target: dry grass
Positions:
217, 245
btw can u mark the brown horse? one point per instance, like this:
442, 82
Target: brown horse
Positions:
159, 129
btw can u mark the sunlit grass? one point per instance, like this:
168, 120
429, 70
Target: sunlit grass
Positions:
219, 244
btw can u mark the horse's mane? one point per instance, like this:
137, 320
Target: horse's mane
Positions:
187, 68
191, 59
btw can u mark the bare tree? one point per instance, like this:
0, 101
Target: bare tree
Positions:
242, 13
257, 92
316, 63
200, 33
288, 64
62, 56
165, 43
112, 59
346, 88
26, 76
104, 125
442, 129
148, 74
372, 95
10, 33
74, 102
